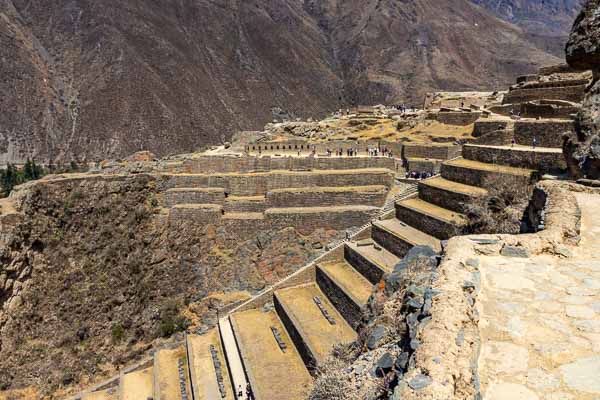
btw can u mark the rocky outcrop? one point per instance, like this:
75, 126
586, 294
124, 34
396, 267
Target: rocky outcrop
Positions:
583, 51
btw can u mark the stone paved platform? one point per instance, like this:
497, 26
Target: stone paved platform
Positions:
540, 321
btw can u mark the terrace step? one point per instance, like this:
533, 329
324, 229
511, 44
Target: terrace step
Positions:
345, 287
106, 394
192, 195
448, 194
544, 159
273, 372
324, 196
399, 238
485, 175
241, 204
137, 385
431, 219
205, 378
167, 385
370, 259
302, 310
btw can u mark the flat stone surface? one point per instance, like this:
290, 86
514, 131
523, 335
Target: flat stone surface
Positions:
540, 321
583, 375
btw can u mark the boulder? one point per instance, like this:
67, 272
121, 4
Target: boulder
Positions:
582, 149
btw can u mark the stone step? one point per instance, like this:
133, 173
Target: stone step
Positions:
324, 196
273, 372
241, 204
171, 375
430, 219
106, 394
543, 159
345, 287
370, 259
484, 175
137, 385
547, 132
448, 194
312, 321
209, 373
399, 238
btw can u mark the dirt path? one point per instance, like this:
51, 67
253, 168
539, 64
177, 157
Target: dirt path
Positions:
540, 321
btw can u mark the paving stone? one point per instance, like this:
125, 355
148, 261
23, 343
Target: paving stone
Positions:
505, 357
581, 291
539, 379
596, 306
513, 251
583, 375
516, 327
575, 311
592, 284
588, 325
420, 382
574, 300
559, 396
509, 391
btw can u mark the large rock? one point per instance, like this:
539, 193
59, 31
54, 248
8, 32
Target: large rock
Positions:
583, 51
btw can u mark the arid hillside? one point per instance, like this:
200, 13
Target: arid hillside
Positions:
97, 79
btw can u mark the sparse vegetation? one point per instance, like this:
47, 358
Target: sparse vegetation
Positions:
171, 321
501, 210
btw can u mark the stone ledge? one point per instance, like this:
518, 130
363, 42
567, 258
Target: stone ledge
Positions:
452, 365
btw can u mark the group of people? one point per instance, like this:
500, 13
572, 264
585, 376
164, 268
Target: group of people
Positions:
418, 174
353, 152
249, 394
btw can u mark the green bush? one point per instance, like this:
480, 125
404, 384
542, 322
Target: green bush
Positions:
117, 332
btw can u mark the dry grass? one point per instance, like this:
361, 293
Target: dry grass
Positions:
501, 210
333, 382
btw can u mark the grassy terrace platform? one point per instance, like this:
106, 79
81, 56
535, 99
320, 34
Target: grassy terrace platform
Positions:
272, 372
480, 166
203, 373
451, 186
408, 234
316, 333
107, 394
137, 385
431, 210
166, 374
349, 280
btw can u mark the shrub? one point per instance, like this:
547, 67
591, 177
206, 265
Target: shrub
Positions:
117, 332
501, 210
171, 321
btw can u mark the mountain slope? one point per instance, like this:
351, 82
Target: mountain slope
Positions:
94, 79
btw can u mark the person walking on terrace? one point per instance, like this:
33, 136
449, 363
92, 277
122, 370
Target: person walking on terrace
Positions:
534, 144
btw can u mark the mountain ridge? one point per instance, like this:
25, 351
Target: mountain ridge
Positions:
89, 80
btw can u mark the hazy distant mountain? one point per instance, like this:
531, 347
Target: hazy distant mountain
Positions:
104, 78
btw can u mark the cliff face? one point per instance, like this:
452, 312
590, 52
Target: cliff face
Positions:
583, 51
96, 79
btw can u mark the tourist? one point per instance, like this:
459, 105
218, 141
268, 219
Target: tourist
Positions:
240, 392
249, 394
512, 142
534, 143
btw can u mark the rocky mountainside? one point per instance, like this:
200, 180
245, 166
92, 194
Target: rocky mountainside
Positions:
96, 79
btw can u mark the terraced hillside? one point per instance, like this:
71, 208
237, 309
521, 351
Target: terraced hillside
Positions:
276, 342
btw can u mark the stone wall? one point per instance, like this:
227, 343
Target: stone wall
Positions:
427, 223
436, 151
484, 179
460, 118
319, 197
547, 133
204, 214
568, 93
484, 126
245, 204
534, 110
306, 220
233, 164
176, 196
293, 147
495, 138
444, 198
252, 184
541, 161
424, 165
